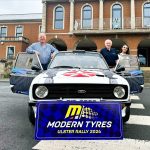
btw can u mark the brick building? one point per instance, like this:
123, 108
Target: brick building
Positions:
86, 24
81, 24
17, 31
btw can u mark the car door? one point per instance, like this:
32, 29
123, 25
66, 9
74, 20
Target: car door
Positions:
131, 72
26, 67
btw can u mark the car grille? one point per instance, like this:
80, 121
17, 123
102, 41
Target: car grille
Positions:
57, 91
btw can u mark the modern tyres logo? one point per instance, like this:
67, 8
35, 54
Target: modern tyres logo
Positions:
80, 111
74, 111
78, 121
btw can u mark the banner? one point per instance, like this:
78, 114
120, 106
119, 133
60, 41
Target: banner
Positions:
78, 121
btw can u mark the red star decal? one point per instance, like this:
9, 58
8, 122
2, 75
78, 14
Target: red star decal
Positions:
76, 73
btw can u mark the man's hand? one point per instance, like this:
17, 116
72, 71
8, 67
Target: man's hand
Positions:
36, 52
52, 56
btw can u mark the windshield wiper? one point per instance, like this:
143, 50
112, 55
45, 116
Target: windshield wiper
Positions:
66, 67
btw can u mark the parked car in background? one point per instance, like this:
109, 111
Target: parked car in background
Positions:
142, 60
131, 72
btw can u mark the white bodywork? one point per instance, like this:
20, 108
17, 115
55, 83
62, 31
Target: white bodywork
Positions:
89, 77
61, 78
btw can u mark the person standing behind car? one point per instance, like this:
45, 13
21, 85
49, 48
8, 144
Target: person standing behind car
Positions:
44, 50
124, 56
109, 54
124, 51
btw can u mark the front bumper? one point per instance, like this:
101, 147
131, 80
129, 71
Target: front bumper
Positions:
124, 103
124, 106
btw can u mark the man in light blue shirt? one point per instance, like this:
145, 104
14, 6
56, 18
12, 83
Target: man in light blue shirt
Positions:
44, 50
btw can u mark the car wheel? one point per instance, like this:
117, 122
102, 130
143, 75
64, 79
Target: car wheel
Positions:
31, 115
127, 116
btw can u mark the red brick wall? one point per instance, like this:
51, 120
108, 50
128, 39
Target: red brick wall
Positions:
50, 9
138, 7
31, 30
109, 3
80, 4
72, 40
19, 47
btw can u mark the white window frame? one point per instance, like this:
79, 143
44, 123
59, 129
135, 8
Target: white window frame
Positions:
40, 28
16, 29
81, 14
7, 50
55, 14
111, 17
143, 13
4, 27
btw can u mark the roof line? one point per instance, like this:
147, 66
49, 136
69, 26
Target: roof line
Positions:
20, 14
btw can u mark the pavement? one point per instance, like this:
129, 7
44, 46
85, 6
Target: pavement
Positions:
4, 80
16, 133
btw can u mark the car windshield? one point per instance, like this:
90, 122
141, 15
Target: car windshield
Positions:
85, 60
26, 61
130, 62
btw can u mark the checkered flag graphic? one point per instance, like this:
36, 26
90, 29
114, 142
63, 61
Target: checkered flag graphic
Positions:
88, 113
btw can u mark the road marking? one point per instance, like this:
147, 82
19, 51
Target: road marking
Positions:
4, 87
129, 144
134, 97
139, 120
137, 106
147, 87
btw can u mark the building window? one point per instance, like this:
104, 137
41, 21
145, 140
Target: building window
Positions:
40, 29
59, 18
87, 17
19, 31
116, 16
3, 31
146, 15
10, 52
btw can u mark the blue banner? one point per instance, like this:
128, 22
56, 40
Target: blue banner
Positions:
78, 121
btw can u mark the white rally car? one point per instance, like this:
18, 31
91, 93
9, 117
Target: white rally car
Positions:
74, 75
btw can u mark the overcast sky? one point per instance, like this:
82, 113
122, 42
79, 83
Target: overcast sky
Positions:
20, 6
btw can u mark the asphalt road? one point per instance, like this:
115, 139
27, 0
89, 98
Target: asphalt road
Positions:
16, 133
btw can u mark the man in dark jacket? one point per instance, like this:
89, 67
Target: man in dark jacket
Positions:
109, 54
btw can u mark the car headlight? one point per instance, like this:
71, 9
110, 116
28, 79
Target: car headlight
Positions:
41, 91
119, 92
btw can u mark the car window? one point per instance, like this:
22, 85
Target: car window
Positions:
130, 62
79, 60
26, 61
142, 60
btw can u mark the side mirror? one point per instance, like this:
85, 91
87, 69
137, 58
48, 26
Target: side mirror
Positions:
36, 68
120, 68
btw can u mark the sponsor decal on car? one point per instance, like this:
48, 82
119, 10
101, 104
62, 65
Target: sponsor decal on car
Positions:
76, 73
78, 120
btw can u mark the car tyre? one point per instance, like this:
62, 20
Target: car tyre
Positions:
127, 116
31, 115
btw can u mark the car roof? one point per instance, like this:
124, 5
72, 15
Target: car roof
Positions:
80, 51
